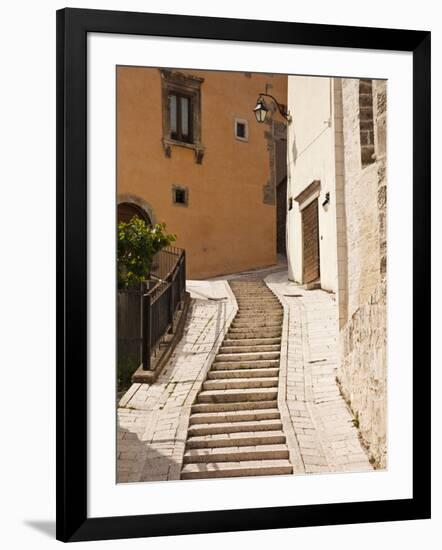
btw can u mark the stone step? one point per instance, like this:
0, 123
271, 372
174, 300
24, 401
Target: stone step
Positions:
243, 373
250, 356
234, 416
248, 287
262, 363
235, 427
264, 332
268, 331
263, 289
246, 439
208, 470
266, 303
205, 408
240, 365
257, 321
258, 313
254, 318
240, 383
262, 292
252, 313
225, 350
252, 341
256, 324
234, 395
234, 454
259, 306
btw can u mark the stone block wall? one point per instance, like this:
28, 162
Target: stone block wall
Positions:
363, 372
363, 329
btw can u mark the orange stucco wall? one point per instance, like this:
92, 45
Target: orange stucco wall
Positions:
226, 226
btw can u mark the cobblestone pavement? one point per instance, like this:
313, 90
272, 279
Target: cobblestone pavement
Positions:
153, 419
317, 422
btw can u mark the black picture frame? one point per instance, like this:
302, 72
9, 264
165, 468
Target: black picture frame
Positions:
73, 25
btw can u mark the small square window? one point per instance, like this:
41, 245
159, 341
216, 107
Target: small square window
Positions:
180, 195
241, 129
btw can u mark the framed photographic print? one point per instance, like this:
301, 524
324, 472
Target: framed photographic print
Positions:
243, 303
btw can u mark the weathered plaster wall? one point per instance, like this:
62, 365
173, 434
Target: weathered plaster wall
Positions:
363, 352
311, 156
229, 224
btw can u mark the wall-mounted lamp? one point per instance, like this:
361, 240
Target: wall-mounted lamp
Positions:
327, 199
261, 108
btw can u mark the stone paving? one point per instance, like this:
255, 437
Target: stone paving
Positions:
318, 424
321, 436
153, 419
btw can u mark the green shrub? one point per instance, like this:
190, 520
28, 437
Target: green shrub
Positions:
137, 245
126, 366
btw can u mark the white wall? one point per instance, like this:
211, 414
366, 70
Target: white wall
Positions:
311, 156
27, 173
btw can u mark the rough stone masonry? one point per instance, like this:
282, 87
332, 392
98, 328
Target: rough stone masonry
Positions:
363, 351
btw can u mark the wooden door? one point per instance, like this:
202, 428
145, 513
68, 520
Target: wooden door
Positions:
310, 236
281, 217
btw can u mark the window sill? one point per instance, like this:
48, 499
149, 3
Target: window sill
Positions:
197, 148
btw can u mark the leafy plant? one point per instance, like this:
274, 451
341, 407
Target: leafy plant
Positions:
137, 245
126, 366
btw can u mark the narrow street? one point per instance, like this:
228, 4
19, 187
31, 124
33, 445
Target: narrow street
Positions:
250, 390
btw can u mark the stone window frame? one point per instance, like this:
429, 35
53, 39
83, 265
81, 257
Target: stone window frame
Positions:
235, 129
190, 86
184, 189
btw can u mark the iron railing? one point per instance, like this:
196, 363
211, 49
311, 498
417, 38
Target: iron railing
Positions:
146, 314
162, 301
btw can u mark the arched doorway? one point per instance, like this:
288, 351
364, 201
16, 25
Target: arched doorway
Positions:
127, 210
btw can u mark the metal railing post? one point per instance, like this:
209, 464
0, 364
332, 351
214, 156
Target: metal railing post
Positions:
183, 276
147, 323
170, 305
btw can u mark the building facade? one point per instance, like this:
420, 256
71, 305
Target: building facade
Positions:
336, 229
311, 218
191, 154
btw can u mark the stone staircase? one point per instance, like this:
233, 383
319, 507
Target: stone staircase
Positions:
235, 428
